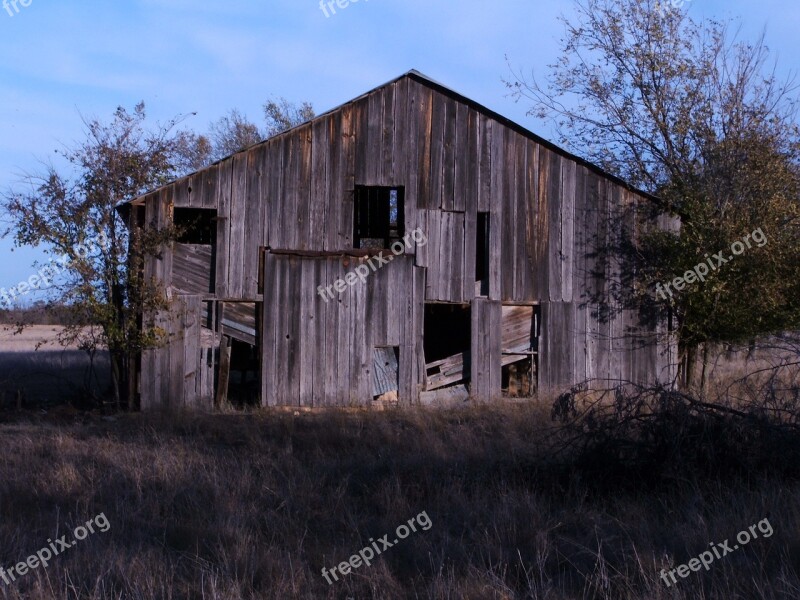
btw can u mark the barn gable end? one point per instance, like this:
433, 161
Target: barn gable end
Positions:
493, 293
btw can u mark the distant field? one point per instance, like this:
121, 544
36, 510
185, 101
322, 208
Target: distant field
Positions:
50, 375
26, 341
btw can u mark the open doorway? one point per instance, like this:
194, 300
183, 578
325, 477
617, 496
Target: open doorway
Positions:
239, 358
520, 351
244, 382
448, 330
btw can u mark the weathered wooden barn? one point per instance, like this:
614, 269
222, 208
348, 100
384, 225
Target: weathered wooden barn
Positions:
491, 294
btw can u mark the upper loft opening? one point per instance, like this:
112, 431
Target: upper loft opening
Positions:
195, 226
378, 216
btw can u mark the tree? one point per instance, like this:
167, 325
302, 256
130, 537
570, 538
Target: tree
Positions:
281, 115
75, 217
99, 273
193, 152
689, 113
232, 133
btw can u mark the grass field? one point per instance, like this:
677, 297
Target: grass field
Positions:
255, 505
46, 374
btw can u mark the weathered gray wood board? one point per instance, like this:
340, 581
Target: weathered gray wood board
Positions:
192, 269
238, 321
385, 371
447, 371
518, 334
170, 376
485, 370
557, 351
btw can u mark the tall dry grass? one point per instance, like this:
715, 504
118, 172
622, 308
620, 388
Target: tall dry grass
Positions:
254, 505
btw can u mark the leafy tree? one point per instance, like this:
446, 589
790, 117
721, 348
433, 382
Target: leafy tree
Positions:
75, 216
282, 115
688, 112
193, 152
234, 132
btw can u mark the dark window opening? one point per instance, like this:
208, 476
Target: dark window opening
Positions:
482, 254
195, 226
447, 342
378, 216
139, 216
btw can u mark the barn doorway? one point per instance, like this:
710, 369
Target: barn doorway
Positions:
239, 358
447, 339
519, 353
244, 383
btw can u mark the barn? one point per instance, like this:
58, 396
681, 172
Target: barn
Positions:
408, 247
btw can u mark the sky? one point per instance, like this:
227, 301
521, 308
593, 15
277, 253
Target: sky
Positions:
60, 60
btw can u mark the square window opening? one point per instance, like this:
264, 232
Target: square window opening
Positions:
378, 215
195, 226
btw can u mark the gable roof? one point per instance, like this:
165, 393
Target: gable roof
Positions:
442, 89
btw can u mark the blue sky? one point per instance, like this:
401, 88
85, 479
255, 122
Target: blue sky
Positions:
63, 59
